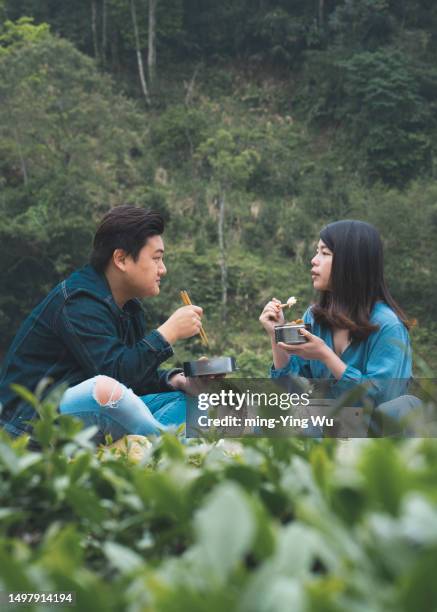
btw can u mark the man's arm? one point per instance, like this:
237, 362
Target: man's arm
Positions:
88, 329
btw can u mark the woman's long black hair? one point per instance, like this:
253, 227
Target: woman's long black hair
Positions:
357, 279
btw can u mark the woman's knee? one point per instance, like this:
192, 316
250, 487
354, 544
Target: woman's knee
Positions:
107, 390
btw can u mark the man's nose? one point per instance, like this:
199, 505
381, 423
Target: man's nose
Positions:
163, 269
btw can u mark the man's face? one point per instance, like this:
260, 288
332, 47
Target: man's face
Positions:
143, 276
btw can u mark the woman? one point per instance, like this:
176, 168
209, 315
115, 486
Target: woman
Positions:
359, 333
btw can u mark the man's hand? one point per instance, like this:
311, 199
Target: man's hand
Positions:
271, 316
183, 323
191, 385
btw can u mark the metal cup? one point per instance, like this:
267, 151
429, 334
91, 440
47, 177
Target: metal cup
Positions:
289, 333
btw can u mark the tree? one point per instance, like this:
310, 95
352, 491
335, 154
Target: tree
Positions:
143, 81
64, 159
386, 116
229, 168
94, 28
151, 43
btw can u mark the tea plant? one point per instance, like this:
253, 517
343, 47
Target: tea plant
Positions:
247, 525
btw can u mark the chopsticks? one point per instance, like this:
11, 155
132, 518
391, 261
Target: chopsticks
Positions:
289, 303
186, 300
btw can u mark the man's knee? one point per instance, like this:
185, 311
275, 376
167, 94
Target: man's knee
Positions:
107, 390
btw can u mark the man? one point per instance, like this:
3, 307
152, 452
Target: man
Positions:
90, 333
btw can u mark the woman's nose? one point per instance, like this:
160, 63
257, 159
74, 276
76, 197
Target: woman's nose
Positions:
314, 260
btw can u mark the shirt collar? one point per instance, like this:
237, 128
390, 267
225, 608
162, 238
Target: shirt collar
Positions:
132, 306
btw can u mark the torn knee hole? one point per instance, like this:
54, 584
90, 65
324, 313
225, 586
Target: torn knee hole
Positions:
107, 390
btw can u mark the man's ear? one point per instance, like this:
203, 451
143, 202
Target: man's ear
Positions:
119, 257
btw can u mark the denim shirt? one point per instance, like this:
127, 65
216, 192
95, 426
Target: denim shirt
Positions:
383, 361
75, 333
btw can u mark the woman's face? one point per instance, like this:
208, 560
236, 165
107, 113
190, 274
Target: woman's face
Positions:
321, 265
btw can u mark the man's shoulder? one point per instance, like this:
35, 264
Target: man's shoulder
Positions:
87, 286
85, 280
82, 286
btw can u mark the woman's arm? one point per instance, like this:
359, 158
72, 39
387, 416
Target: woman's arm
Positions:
316, 349
280, 357
385, 373
333, 362
283, 363
271, 316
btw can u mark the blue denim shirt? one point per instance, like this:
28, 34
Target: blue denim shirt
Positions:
383, 360
75, 333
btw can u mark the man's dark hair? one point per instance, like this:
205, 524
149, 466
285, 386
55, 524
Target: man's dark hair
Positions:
357, 279
124, 227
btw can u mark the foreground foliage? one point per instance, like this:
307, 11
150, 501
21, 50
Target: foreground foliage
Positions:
247, 525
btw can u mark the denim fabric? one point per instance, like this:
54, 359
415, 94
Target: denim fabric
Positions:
146, 415
74, 334
403, 415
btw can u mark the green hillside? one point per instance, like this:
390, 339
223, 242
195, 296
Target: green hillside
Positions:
287, 116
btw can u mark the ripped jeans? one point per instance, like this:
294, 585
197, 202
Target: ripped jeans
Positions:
128, 414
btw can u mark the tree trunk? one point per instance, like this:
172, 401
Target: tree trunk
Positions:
104, 30
22, 160
138, 51
114, 48
189, 87
223, 263
321, 14
151, 55
94, 28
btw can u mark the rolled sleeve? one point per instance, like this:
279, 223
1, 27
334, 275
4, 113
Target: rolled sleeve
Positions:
165, 376
296, 366
158, 344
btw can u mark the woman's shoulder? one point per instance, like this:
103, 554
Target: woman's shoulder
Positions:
386, 318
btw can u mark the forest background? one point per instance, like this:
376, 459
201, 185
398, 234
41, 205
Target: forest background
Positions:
249, 125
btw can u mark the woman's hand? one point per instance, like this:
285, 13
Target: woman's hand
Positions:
315, 348
271, 316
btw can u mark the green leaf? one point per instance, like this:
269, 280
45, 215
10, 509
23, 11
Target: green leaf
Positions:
280, 594
79, 466
225, 528
386, 475
9, 459
62, 549
25, 394
85, 503
28, 460
121, 557
14, 573
321, 466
